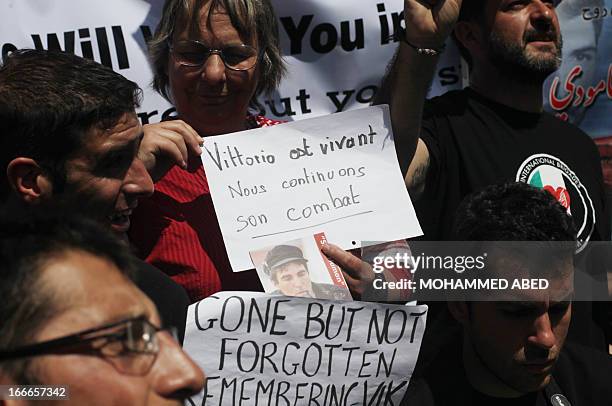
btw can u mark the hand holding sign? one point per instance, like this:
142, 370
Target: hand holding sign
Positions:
358, 274
167, 144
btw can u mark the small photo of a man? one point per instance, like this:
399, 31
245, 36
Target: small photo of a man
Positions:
285, 270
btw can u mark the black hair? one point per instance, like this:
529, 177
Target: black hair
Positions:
512, 212
27, 245
48, 102
515, 213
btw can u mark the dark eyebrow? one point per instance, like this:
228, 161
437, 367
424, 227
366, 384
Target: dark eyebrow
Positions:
589, 48
567, 299
124, 318
520, 305
117, 150
527, 305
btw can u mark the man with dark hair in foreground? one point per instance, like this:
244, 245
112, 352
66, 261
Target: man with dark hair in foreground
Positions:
70, 138
511, 347
72, 317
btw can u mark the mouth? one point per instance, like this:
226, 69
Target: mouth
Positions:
543, 43
542, 39
120, 220
213, 99
539, 368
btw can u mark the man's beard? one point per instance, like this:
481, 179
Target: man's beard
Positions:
514, 62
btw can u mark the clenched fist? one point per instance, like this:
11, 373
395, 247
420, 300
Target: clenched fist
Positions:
429, 23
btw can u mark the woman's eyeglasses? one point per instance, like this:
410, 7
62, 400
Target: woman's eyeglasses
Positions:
194, 54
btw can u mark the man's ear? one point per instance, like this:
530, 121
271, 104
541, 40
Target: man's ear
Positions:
460, 311
469, 34
28, 180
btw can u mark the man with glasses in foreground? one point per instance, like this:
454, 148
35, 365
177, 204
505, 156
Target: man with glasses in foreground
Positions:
71, 316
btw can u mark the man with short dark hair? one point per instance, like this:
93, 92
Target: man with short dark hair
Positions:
72, 317
511, 348
288, 270
70, 137
495, 129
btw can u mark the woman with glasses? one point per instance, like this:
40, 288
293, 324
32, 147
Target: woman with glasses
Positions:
211, 59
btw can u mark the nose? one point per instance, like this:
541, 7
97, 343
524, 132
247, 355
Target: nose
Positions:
213, 70
138, 182
542, 335
542, 15
175, 375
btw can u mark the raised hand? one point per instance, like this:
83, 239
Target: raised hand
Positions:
167, 144
429, 23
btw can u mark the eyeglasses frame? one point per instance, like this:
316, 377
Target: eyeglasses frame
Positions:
62, 345
219, 52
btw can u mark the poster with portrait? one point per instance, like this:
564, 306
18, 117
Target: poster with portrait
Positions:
299, 268
580, 92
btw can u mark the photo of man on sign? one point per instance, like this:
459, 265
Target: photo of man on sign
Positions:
287, 272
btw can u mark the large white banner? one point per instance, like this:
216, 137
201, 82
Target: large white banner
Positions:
112, 32
337, 52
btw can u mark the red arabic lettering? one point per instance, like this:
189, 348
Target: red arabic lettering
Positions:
560, 104
579, 96
593, 92
610, 81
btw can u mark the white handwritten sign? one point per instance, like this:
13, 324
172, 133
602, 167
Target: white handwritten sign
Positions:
273, 350
337, 174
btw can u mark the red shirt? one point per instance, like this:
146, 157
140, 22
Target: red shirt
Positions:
177, 231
